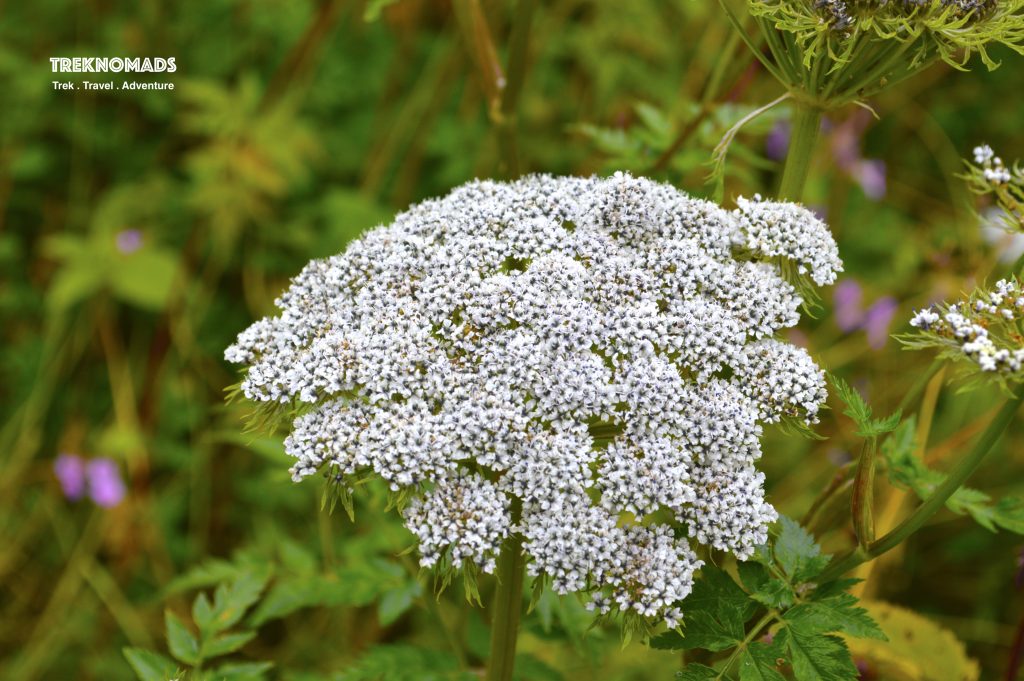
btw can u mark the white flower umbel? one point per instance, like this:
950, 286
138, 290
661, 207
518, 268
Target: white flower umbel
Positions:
598, 352
983, 329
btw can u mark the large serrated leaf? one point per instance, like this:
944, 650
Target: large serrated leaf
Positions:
182, 644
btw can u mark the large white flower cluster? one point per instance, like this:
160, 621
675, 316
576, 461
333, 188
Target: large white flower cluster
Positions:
603, 351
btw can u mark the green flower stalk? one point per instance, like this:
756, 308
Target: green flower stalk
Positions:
831, 53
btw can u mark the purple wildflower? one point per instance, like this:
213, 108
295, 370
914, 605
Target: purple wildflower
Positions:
870, 175
129, 240
105, 485
777, 142
847, 300
70, 472
877, 320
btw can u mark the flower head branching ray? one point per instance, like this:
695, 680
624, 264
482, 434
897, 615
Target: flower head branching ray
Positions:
603, 352
989, 175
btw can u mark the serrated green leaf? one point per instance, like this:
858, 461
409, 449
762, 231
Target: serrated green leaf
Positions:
182, 644
908, 471
818, 657
226, 643
696, 672
860, 412
832, 613
715, 613
765, 588
242, 671
230, 602
150, 666
797, 553
203, 615
759, 662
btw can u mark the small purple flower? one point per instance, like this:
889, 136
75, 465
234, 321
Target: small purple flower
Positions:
70, 472
847, 300
129, 240
877, 320
105, 485
870, 175
777, 143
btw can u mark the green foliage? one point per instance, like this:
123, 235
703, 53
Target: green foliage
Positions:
802, 617
213, 620
861, 413
908, 471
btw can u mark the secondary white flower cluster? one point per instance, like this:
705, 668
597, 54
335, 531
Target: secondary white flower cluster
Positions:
601, 352
992, 167
983, 328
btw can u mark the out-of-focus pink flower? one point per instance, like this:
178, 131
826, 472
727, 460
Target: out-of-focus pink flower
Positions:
847, 141
70, 472
850, 314
847, 301
870, 175
129, 240
777, 142
877, 320
105, 485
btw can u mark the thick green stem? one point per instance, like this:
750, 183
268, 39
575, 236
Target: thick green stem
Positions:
506, 609
862, 504
802, 141
930, 506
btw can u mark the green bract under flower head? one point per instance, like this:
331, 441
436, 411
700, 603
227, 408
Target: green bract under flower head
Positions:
599, 353
833, 52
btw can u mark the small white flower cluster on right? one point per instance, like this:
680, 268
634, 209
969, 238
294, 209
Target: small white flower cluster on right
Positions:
982, 328
585, 362
992, 167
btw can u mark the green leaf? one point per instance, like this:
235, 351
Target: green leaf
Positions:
818, 657
715, 613
145, 278
759, 662
182, 643
395, 602
907, 471
765, 588
242, 671
696, 672
797, 553
836, 612
226, 643
859, 411
73, 283
202, 614
231, 602
150, 666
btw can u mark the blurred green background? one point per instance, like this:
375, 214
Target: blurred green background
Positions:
141, 231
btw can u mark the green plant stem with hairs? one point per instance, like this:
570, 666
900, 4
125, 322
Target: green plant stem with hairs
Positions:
930, 506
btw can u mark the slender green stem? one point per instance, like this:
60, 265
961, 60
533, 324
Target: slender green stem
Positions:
862, 503
803, 138
930, 506
754, 632
507, 609
507, 120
